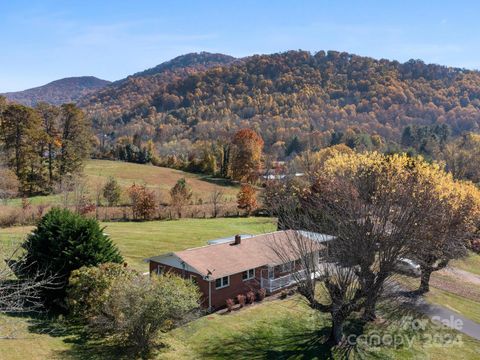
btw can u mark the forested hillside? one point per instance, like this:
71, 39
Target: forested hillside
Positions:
314, 100
138, 90
58, 92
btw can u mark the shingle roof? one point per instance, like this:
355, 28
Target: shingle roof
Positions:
226, 259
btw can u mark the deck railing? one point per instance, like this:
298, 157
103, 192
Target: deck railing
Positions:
272, 285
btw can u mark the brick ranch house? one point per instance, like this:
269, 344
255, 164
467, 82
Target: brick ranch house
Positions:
233, 266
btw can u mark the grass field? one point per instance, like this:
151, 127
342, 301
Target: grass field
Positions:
138, 241
152, 176
157, 178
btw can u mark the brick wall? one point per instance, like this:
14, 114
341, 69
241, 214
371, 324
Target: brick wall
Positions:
219, 296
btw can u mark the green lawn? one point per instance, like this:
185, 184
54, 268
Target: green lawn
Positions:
139, 240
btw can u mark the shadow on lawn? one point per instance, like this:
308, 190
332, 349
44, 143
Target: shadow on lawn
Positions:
293, 342
82, 345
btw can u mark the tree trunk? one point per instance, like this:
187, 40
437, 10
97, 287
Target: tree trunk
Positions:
369, 313
336, 336
372, 292
425, 280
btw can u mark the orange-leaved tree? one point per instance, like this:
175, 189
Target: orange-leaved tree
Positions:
247, 155
143, 202
246, 198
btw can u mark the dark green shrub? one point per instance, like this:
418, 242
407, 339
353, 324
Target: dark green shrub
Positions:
63, 242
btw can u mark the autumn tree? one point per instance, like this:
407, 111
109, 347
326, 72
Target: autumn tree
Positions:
378, 205
247, 155
180, 195
462, 157
142, 201
112, 191
246, 198
449, 220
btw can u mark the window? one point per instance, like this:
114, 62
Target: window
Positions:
193, 279
249, 274
222, 282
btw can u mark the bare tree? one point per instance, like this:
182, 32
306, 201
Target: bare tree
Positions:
216, 199
20, 296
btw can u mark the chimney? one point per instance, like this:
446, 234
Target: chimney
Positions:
238, 240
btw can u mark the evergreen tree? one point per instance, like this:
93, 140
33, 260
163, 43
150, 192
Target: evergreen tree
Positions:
294, 147
75, 139
20, 133
62, 242
112, 191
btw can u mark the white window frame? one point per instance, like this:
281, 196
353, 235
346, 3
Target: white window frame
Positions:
193, 279
249, 276
222, 281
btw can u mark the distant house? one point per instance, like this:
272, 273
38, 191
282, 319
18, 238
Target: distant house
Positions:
233, 266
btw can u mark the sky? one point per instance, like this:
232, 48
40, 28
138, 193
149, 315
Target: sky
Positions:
41, 41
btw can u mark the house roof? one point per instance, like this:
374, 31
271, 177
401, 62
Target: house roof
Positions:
224, 259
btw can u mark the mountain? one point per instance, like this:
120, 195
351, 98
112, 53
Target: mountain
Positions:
319, 98
59, 91
124, 95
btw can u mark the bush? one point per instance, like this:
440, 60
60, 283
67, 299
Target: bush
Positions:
241, 300
89, 287
230, 304
283, 294
261, 294
250, 297
137, 309
63, 242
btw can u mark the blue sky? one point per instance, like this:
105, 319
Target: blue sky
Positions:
41, 41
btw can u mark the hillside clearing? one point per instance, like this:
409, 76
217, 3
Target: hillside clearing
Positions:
157, 178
